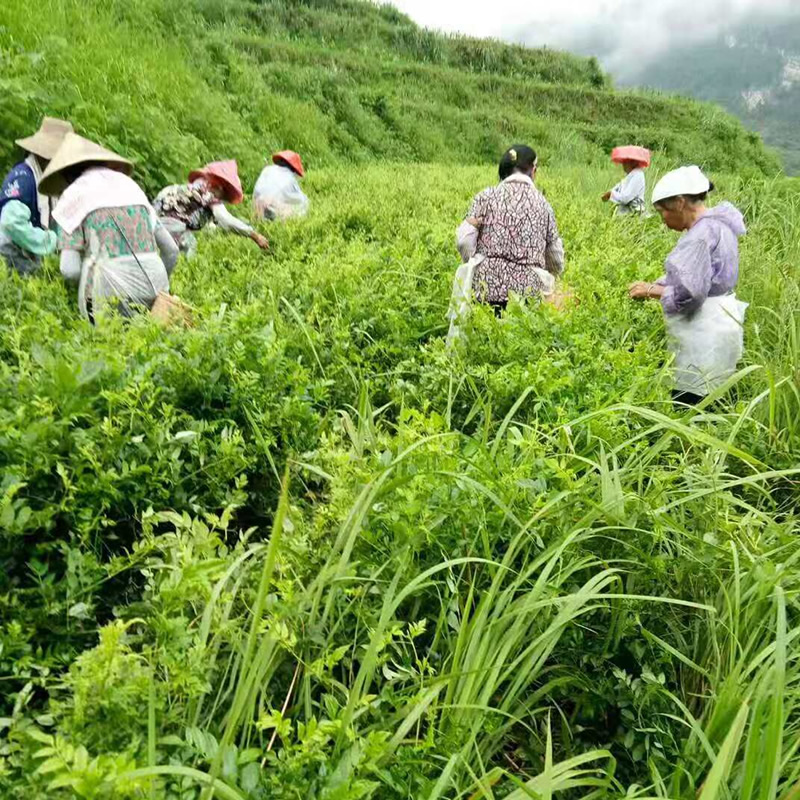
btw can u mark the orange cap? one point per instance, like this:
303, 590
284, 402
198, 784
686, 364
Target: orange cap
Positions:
630, 152
291, 160
226, 174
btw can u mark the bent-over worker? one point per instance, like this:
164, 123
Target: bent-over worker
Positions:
25, 235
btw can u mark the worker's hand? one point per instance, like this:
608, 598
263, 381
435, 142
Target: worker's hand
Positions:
606, 197
261, 241
475, 222
642, 290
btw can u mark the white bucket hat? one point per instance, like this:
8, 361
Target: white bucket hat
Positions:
684, 180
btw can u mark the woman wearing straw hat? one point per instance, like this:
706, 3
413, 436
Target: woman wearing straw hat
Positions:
703, 316
189, 207
110, 240
25, 234
628, 194
277, 194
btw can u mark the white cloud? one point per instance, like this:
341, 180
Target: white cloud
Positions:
623, 33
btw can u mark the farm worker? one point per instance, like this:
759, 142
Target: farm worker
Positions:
110, 239
25, 234
703, 316
277, 194
628, 194
189, 207
514, 228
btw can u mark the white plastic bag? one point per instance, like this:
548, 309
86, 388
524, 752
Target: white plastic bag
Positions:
461, 297
125, 282
708, 344
277, 194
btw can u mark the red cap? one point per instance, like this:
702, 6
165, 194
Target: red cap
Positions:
630, 152
291, 160
224, 173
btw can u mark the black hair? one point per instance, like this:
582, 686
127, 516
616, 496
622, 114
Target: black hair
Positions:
519, 158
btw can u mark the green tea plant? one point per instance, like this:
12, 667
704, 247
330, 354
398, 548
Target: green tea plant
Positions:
302, 549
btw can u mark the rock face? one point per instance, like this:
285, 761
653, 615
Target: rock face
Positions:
753, 70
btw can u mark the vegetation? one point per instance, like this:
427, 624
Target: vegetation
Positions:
301, 550
176, 83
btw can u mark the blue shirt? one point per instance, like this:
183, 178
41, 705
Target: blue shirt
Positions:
20, 184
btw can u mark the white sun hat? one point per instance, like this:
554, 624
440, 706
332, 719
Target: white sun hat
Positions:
684, 180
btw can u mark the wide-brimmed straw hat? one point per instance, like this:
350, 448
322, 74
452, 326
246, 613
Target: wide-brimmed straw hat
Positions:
46, 141
291, 160
224, 173
76, 150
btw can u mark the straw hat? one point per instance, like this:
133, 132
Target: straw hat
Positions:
47, 139
76, 150
290, 159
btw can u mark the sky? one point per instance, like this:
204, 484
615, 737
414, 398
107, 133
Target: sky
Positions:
624, 34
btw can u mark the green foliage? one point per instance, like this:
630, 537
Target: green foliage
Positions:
469, 539
303, 550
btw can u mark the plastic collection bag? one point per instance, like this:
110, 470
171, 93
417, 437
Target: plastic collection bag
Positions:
461, 297
708, 344
124, 283
277, 194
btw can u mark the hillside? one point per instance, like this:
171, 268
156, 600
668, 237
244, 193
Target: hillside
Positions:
752, 69
301, 549
171, 84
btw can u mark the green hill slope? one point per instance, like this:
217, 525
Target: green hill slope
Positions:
173, 83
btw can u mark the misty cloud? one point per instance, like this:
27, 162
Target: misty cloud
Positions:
628, 35
625, 35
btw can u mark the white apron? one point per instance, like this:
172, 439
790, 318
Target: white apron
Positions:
708, 344
462, 293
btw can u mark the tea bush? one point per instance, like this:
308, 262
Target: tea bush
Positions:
303, 550
487, 558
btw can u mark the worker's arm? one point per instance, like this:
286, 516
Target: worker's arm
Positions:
228, 222
554, 249
467, 239
167, 247
15, 222
629, 189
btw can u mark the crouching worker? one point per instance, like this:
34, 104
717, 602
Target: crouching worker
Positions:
25, 235
277, 193
513, 227
703, 317
111, 243
628, 194
187, 208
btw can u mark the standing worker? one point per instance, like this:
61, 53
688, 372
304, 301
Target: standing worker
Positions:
703, 316
277, 194
513, 227
628, 195
25, 234
188, 207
